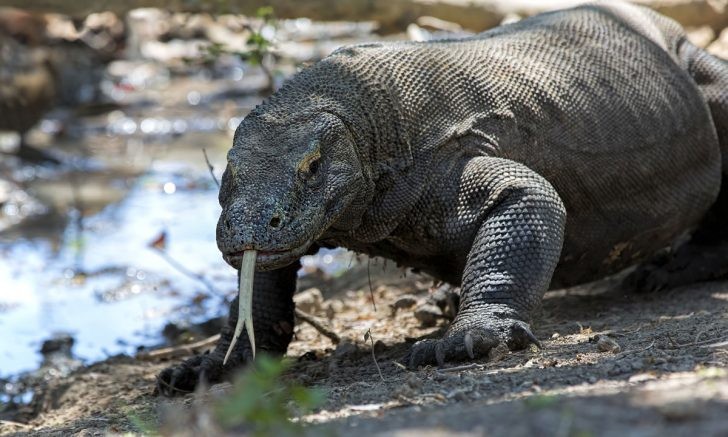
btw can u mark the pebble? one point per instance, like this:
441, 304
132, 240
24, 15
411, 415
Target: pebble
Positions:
405, 301
498, 353
606, 344
344, 348
309, 301
428, 315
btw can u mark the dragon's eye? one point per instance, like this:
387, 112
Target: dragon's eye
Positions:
310, 165
313, 167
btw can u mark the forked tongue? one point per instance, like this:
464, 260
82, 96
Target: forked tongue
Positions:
245, 302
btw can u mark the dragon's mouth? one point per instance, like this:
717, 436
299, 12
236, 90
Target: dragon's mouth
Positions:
267, 259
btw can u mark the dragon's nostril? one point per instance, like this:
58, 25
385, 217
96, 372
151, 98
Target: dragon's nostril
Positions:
227, 224
275, 221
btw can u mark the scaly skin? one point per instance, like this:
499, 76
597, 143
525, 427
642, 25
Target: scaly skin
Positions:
554, 151
273, 308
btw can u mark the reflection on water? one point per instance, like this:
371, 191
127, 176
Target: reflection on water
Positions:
132, 171
95, 276
104, 284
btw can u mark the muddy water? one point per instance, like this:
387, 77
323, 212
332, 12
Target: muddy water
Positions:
89, 267
134, 174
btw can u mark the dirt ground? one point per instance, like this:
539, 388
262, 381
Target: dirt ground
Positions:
612, 364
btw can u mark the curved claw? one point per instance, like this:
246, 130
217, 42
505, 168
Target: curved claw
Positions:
185, 377
457, 346
522, 335
471, 344
180, 379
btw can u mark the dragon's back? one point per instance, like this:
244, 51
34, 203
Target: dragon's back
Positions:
594, 99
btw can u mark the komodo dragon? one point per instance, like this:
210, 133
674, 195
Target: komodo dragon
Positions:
553, 151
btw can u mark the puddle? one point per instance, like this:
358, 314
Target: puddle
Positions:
83, 264
100, 281
97, 277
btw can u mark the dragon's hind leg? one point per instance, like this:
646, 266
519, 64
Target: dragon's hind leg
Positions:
710, 73
705, 256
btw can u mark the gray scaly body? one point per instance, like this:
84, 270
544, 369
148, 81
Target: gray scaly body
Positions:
553, 151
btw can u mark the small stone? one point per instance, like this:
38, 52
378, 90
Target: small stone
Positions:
701, 36
405, 301
414, 381
719, 47
379, 347
344, 348
428, 315
681, 410
606, 344
498, 353
309, 301
332, 307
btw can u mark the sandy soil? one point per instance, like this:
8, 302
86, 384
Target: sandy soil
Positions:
612, 364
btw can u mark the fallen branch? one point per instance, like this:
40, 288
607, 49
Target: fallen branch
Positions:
313, 321
471, 366
676, 345
190, 274
716, 345
621, 355
177, 351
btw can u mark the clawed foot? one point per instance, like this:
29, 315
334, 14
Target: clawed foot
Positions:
647, 279
183, 378
689, 264
472, 343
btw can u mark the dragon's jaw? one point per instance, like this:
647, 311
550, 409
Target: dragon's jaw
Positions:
245, 302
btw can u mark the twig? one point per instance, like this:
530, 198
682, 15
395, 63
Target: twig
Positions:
633, 351
211, 168
716, 345
176, 351
311, 320
676, 345
368, 336
182, 269
673, 343
697, 337
470, 366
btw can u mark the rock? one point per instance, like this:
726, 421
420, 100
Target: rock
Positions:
105, 33
719, 47
145, 25
332, 307
404, 301
606, 344
447, 298
428, 315
498, 353
23, 26
434, 24
701, 36
59, 343
309, 301
682, 410
344, 349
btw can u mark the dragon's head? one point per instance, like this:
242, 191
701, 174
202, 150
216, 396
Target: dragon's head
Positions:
288, 179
